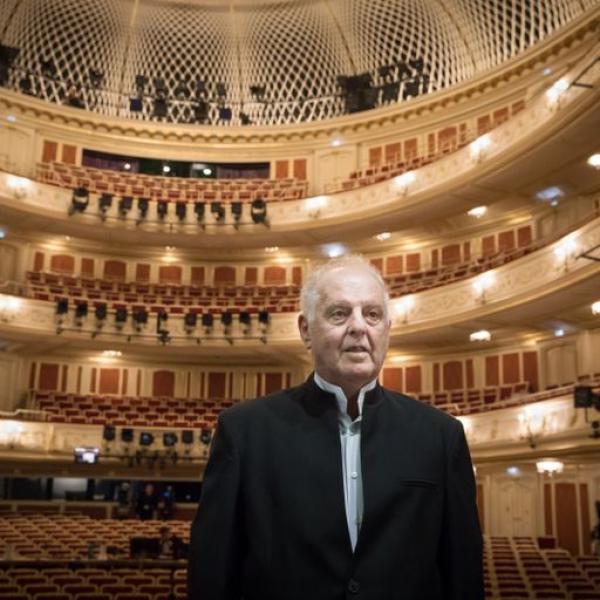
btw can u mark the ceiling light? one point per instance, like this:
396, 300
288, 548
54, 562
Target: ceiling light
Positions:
477, 212
480, 336
271, 249
207, 171
336, 142
334, 250
550, 193
127, 166
11, 118
596, 308
549, 465
547, 71
594, 161
166, 169
513, 471
112, 353
559, 332
169, 248
386, 235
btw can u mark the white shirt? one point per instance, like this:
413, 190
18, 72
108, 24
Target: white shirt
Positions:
350, 443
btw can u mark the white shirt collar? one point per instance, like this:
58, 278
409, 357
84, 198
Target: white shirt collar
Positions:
340, 397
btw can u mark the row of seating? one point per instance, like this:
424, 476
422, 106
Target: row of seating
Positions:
131, 411
175, 189
519, 568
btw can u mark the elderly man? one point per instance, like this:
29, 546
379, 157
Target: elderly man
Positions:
338, 488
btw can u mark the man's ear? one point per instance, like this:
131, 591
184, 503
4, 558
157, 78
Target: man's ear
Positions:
304, 333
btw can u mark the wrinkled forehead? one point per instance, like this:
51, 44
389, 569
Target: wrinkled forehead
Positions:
350, 285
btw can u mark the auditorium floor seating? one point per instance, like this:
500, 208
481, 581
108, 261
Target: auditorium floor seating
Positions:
173, 189
54, 563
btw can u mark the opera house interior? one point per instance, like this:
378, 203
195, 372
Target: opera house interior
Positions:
170, 173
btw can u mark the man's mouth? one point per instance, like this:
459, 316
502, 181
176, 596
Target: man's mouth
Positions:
356, 349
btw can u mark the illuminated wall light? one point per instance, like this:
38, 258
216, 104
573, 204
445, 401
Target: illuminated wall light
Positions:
403, 306
11, 118
480, 336
336, 142
127, 166
271, 249
594, 161
559, 332
334, 250
547, 71
402, 182
19, 185
482, 284
385, 235
315, 205
477, 211
397, 359
555, 91
549, 466
550, 193
479, 146
596, 308
112, 353
513, 471
166, 169
207, 171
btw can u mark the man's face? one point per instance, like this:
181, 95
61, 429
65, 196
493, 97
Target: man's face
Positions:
349, 334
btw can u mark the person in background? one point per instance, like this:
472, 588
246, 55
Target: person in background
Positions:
146, 503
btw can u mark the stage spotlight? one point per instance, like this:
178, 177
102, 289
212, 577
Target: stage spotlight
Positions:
390, 92
120, 317
200, 88
187, 436
143, 204
258, 91
263, 317
109, 433
160, 86
141, 81
403, 71
190, 320
79, 200
585, 397
24, 85
199, 208
221, 90
181, 91
100, 311
160, 108
162, 208
48, 68
136, 104
161, 332
258, 210
411, 89
62, 306
226, 319
125, 204
225, 114
236, 210
140, 318
386, 71
217, 209
146, 438
127, 435
205, 436
181, 210
104, 203
207, 322
201, 111
169, 439
81, 311
245, 321
96, 78
417, 64
245, 119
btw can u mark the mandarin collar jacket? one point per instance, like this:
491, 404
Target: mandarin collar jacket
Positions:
271, 522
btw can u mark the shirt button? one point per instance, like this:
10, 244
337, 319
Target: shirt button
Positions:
354, 474
353, 586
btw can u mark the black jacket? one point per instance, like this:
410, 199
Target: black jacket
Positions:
271, 522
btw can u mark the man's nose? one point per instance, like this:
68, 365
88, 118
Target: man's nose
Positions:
356, 322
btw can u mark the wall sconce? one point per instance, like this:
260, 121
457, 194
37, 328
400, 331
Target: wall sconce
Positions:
19, 185
549, 466
532, 426
482, 284
403, 308
402, 182
555, 92
478, 147
565, 252
483, 335
9, 307
596, 308
313, 206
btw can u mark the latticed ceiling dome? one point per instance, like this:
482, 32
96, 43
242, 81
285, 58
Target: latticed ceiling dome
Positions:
296, 49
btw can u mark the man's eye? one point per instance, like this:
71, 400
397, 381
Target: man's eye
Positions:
338, 315
374, 315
